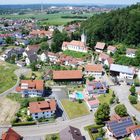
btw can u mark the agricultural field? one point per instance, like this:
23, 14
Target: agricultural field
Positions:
49, 19
7, 77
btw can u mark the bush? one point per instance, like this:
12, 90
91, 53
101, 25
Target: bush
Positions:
133, 99
111, 101
24, 123
121, 110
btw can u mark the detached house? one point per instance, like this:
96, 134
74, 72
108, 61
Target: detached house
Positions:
53, 57
100, 46
131, 53
31, 88
44, 56
94, 70
42, 109
111, 49
103, 57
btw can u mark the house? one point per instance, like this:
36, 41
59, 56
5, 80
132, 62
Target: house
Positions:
135, 132
53, 57
31, 88
92, 102
118, 127
33, 48
94, 70
78, 46
96, 87
108, 61
131, 53
121, 71
100, 46
103, 57
71, 133
44, 56
42, 109
74, 76
31, 58
111, 49
10, 134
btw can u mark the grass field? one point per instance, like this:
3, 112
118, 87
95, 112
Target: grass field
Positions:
7, 77
53, 137
75, 109
49, 19
105, 98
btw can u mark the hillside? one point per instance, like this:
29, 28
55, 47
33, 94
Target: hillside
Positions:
120, 26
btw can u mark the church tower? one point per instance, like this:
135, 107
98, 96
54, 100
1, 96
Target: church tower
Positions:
84, 38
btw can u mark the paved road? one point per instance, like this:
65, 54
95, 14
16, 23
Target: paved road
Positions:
17, 72
44, 129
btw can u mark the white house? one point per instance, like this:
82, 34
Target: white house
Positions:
123, 72
78, 46
108, 61
131, 53
42, 109
44, 56
111, 49
94, 70
100, 46
53, 57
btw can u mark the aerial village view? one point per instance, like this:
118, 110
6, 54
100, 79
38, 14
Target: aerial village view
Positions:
69, 70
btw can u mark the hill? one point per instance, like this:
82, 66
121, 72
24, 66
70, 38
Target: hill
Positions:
119, 26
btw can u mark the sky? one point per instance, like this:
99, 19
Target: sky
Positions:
69, 1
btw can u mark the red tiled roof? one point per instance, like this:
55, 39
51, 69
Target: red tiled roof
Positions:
32, 84
11, 135
110, 60
67, 74
111, 48
115, 117
41, 32
33, 47
42, 106
103, 56
95, 67
100, 45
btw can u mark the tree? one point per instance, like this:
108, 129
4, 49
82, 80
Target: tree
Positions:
133, 99
121, 110
44, 46
102, 113
33, 66
9, 40
132, 89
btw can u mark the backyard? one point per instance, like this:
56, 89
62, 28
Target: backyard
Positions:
7, 77
75, 109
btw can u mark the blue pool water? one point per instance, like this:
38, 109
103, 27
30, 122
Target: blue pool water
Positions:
79, 95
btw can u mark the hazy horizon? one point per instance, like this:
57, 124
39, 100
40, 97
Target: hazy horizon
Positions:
123, 2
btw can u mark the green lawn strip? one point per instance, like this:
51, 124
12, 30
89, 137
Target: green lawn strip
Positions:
75, 109
93, 136
106, 97
7, 77
137, 106
54, 136
75, 54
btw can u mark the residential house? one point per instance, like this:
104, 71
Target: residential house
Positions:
94, 70
100, 46
111, 49
31, 88
108, 61
64, 76
44, 56
103, 57
71, 133
131, 53
42, 109
118, 127
33, 48
92, 102
10, 134
122, 72
53, 57
78, 46
135, 132
96, 87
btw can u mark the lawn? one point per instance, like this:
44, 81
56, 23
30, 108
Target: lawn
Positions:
105, 98
75, 109
53, 136
94, 136
7, 77
75, 54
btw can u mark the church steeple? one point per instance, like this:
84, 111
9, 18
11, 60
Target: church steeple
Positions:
83, 38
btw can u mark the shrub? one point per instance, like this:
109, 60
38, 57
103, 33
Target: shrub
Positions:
24, 123
133, 99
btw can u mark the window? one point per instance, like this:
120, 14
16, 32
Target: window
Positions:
36, 117
36, 113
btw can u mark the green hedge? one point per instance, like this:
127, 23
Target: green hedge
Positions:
24, 123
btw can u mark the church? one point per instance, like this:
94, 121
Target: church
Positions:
78, 46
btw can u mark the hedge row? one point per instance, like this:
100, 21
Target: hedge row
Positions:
24, 123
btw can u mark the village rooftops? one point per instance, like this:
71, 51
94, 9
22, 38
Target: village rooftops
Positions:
129, 51
33, 48
111, 48
67, 74
42, 106
94, 67
122, 69
100, 45
31, 85
11, 135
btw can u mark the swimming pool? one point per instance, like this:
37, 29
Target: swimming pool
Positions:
79, 95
